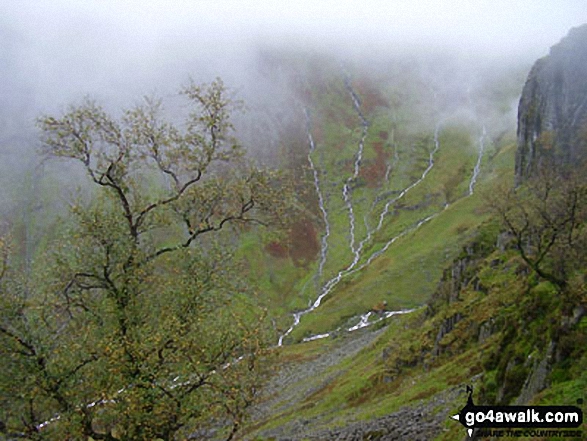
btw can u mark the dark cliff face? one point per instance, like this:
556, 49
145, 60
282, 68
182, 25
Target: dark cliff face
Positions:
552, 115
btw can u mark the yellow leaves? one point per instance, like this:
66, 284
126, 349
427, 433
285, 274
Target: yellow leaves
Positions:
150, 320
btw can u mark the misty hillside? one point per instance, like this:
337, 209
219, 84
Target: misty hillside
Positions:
321, 222
347, 382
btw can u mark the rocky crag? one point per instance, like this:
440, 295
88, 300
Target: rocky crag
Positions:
552, 114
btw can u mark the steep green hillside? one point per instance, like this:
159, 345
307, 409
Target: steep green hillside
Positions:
420, 197
490, 323
399, 177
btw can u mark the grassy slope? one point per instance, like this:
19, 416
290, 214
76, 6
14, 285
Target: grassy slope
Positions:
361, 387
367, 385
400, 135
406, 274
400, 368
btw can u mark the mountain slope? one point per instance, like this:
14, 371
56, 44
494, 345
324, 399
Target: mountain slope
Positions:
492, 321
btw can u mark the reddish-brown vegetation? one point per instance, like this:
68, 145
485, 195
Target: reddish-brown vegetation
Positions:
277, 249
302, 244
373, 172
370, 97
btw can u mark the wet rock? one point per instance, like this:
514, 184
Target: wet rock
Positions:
446, 327
537, 379
578, 313
486, 330
553, 108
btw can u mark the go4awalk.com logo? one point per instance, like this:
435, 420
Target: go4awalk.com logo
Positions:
528, 420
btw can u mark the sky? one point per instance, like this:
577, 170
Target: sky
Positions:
53, 53
117, 49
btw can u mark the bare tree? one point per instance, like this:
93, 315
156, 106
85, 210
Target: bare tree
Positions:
546, 218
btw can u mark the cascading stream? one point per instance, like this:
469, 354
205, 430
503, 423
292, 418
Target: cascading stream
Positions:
363, 322
317, 187
347, 189
477, 168
414, 184
377, 199
364, 319
367, 263
402, 193
328, 286
481, 144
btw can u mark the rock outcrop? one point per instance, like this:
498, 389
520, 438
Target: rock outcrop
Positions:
552, 114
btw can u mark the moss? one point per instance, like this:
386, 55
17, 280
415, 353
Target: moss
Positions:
489, 388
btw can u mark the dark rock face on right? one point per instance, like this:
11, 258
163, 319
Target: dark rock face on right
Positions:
552, 114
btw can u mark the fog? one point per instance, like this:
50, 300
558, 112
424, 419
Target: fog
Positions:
54, 53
